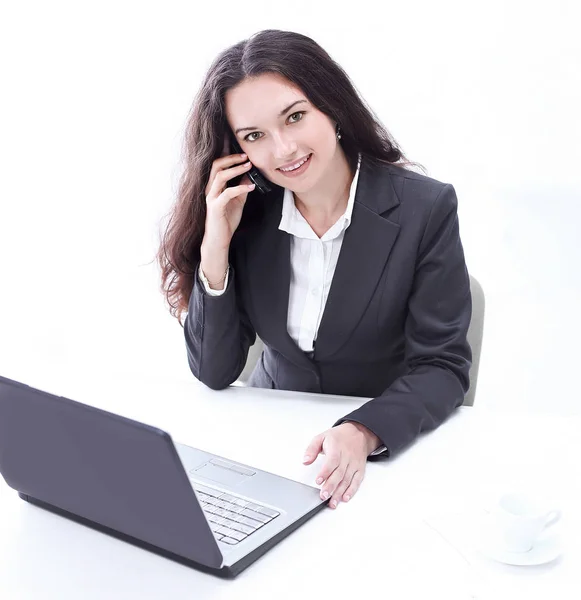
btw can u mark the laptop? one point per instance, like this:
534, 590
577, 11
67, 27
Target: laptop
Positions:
130, 480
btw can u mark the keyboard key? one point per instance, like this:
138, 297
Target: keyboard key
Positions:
230, 523
267, 511
226, 513
236, 535
212, 500
229, 540
228, 498
232, 516
241, 527
240, 502
232, 533
256, 516
206, 490
250, 522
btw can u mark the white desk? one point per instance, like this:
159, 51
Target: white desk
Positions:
385, 543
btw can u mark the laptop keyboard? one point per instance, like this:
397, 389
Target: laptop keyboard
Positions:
232, 519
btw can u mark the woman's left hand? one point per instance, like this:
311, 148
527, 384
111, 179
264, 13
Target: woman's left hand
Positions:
346, 447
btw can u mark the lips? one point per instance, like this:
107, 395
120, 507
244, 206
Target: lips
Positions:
308, 156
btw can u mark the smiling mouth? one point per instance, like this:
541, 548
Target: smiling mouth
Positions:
301, 160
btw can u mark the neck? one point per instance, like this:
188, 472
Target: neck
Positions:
324, 203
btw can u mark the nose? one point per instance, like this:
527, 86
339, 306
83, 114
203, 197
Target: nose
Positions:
285, 148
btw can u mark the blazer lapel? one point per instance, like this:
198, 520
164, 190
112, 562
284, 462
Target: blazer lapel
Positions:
366, 247
269, 279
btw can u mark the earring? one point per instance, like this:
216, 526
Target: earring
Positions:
338, 132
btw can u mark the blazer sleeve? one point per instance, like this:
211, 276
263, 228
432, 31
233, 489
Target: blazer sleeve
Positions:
437, 354
218, 334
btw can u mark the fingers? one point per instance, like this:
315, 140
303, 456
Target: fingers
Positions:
223, 165
232, 192
337, 495
354, 486
227, 161
222, 177
331, 474
347, 486
314, 448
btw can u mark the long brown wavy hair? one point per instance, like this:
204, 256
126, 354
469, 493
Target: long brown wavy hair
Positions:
303, 62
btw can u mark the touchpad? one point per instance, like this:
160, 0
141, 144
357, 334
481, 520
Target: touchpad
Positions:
223, 472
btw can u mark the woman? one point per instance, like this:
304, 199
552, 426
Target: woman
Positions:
350, 269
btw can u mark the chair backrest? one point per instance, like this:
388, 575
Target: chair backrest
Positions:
254, 353
474, 339
475, 332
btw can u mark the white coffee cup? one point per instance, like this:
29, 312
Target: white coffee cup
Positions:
521, 519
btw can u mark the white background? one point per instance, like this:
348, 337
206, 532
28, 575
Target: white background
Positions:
95, 96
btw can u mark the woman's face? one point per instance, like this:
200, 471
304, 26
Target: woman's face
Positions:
272, 140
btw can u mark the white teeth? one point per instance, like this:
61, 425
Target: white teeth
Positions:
302, 162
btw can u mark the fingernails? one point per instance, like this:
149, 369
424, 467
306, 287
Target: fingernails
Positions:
347, 498
319, 481
242, 155
325, 495
307, 458
334, 504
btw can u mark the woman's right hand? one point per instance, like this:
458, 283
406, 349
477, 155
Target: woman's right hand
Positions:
224, 205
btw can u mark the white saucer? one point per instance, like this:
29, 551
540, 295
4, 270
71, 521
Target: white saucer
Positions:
546, 549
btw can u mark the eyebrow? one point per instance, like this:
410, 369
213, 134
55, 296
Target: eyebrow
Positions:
282, 112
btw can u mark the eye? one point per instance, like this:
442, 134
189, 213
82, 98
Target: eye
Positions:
246, 139
301, 113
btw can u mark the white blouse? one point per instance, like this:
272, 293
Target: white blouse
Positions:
313, 263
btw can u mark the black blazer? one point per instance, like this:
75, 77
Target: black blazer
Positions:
396, 318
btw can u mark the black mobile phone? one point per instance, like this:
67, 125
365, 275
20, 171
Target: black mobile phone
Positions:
254, 174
